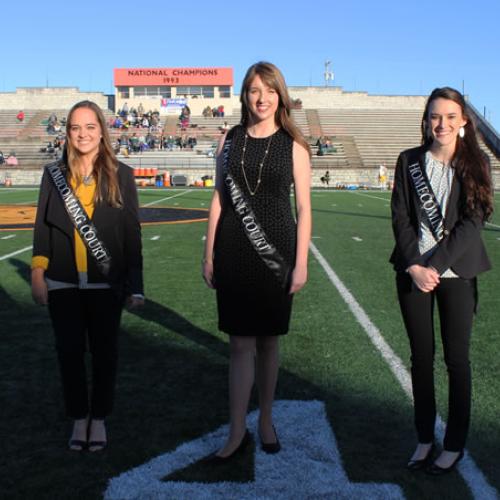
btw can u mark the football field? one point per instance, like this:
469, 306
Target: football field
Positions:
343, 403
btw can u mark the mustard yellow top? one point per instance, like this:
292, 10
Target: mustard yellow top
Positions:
85, 193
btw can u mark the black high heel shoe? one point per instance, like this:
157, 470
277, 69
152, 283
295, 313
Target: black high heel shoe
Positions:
271, 447
423, 462
436, 470
215, 459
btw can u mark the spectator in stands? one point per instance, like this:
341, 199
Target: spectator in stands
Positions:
124, 111
224, 127
12, 160
140, 110
207, 112
86, 283
20, 116
441, 199
2, 158
326, 178
220, 111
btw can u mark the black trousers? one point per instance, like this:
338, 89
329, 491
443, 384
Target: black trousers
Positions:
81, 319
456, 301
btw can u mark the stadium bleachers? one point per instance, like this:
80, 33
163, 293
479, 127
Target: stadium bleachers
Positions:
361, 138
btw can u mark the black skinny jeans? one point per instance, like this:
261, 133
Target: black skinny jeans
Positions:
456, 300
81, 318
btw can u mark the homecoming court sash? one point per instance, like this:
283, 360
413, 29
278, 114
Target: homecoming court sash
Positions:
80, 219
427, 200
251, 226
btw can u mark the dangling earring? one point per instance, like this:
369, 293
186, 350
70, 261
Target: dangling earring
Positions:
461, 132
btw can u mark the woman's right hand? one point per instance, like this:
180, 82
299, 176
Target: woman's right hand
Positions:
207, 271
425, 278
39, 290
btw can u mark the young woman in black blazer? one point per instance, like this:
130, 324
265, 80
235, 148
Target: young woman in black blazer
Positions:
85, 301
442, 197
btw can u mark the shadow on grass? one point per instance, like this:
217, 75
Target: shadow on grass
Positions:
171, 388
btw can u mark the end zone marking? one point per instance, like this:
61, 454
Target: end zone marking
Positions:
308, 466
473, 476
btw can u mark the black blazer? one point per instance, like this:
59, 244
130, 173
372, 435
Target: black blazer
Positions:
461, 249
118, 228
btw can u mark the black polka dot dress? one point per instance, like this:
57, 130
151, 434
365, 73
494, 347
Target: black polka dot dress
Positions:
250, 299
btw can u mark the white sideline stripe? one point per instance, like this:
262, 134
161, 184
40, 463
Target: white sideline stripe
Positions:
475, 479
3, 257
371, 196
167, 198
25, 202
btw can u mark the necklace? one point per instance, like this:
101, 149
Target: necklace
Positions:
87, 179
261, 164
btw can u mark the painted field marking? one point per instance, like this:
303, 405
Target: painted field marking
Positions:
492, 225
17, 252
25, 202
167, 198
473, 476
8, 237
154, 238
308, 466
203, 238
371, 196
316, 237
357, 238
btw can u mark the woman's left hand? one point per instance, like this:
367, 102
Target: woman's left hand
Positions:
133, 302
299, 279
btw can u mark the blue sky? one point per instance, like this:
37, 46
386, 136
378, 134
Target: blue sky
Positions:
383, 47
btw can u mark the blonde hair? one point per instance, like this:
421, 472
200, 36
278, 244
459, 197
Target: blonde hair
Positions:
272, 77
105, 168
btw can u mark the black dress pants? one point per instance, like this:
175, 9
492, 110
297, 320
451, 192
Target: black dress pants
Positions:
456, 301
82, 318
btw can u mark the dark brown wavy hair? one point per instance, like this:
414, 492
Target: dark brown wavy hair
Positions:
105, 169
470, 162
272, 77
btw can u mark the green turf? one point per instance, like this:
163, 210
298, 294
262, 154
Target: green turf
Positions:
172, 383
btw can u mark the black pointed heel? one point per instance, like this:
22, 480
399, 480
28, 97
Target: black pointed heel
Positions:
271, 447
215, 459
422, 463
436, 470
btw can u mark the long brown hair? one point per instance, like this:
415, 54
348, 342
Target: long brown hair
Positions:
105, 169
272, 77
470, 162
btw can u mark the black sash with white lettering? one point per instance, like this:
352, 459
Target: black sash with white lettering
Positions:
251, 226
80, 220
427, 200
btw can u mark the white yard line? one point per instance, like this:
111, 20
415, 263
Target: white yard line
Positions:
25, 249
472, 475
372, 196
167, 198
492, 225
